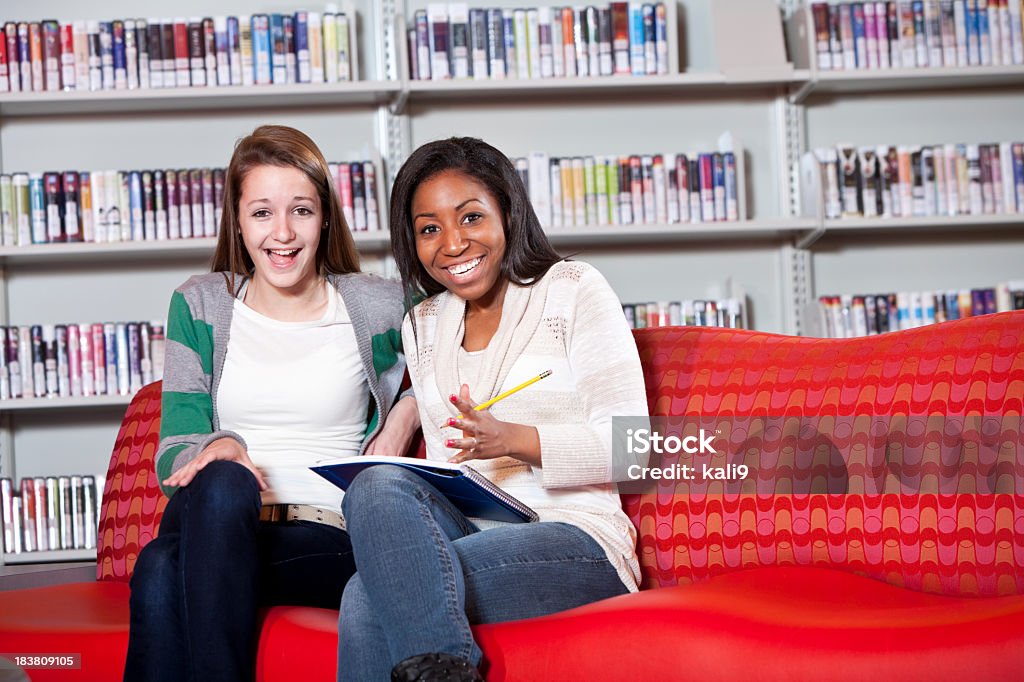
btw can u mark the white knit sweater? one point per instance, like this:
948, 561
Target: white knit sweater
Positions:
570, 322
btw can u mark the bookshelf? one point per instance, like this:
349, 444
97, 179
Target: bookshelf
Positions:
50, 556
200, 248
779, 257
977, 223
694, 83
197, 99
77, 402
907, 106
965, 78
625, 235
144, 129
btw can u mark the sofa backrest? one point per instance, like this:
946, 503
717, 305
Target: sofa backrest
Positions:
949, 543
132, 501
962, 536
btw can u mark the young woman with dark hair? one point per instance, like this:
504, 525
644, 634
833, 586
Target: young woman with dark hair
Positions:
284, 356
501, 307
529, 253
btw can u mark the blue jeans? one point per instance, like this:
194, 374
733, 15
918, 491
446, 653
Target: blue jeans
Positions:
426, 574
197, 587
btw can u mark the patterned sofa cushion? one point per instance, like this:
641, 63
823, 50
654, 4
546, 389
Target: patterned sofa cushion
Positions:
132, 501
915, 518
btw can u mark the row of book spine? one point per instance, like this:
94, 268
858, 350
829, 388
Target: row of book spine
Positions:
918, 34
77, 360
632, 190
869, 314
51, 513
729, 312
939, 180
453, 41
114, 206
130, 54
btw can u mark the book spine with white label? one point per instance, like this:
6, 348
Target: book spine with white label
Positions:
930, 180
50, 514
455, 40
917, 34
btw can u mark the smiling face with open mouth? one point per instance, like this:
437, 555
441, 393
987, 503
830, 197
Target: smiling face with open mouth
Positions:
460, 236
281, 219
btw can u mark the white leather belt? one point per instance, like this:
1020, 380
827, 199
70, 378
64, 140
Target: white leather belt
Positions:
281, 513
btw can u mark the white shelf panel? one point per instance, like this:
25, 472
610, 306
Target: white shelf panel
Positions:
22, 404
545, 87
373, 241
46, 253
918, 223
217, 98
914, 79
368, 92
370, 242
50, 556
379, 241
609, 235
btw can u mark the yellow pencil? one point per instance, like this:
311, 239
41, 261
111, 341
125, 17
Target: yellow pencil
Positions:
502, 396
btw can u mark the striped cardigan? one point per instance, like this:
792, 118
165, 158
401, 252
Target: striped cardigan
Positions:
198, 326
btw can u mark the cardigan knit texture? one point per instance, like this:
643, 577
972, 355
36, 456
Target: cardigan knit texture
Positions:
570, 322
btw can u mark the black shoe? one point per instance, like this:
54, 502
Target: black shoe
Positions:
435, 668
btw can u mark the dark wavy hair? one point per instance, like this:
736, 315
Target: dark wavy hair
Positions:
273, 145
528, 253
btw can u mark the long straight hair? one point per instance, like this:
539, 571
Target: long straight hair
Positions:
528, 253
283, 147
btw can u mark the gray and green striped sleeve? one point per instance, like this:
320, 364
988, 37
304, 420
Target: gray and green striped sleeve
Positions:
187, 415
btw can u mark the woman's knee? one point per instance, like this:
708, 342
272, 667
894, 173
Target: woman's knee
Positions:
378, 485
224, 489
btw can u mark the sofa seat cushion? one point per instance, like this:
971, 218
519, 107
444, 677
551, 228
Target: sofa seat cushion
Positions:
89, 619
298, 638
772, 623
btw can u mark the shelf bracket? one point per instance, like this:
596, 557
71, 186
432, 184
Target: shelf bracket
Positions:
810, 237
400, 100
805, 90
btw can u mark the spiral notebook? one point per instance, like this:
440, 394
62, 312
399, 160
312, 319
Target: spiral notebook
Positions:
466, 488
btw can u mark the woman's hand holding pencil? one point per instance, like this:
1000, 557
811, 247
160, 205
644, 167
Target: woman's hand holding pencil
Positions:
485, 437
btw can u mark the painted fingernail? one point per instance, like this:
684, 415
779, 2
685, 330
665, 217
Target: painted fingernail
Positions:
453, 421
449, 443
454, 398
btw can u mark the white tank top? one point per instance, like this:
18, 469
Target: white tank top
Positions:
296, 392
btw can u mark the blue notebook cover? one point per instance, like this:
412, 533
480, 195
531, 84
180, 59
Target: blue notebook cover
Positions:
466, 488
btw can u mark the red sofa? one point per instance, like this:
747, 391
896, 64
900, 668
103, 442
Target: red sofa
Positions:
875, 584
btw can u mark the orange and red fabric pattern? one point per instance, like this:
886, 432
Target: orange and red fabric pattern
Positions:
132, 500
957, 543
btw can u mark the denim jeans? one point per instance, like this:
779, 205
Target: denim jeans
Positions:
426, 574
197, 587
